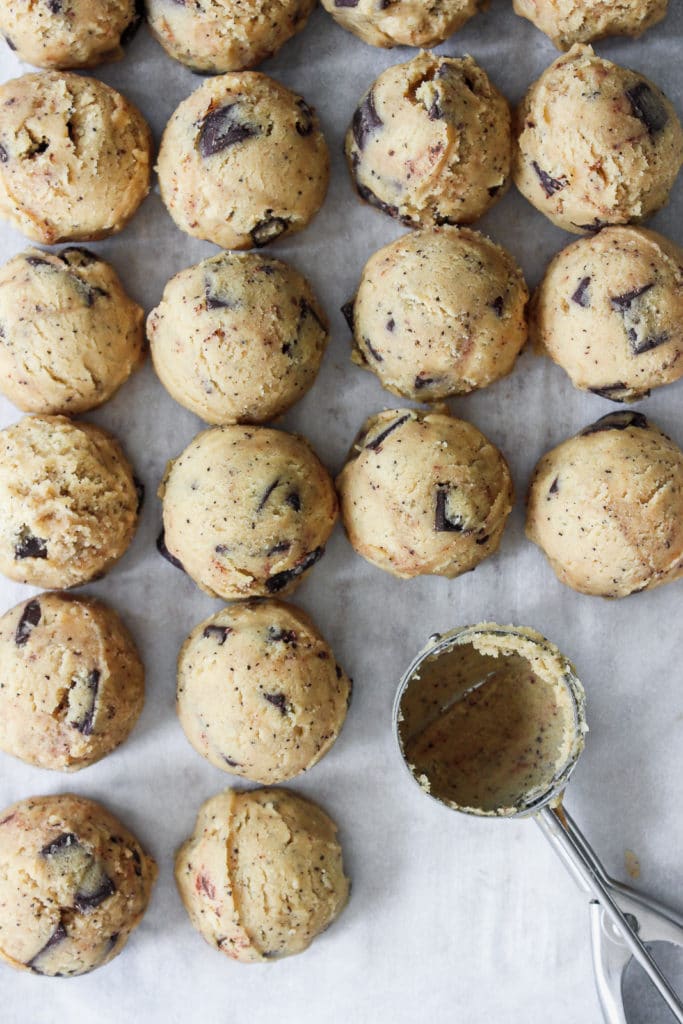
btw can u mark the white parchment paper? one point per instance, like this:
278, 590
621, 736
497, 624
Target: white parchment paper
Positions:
451, 919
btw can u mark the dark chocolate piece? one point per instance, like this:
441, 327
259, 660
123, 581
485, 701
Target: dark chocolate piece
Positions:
268, 230
4, 156
346, 3
581, 296
221, 633
283, 636
435, 113
365, 193
279, 548
549, 185
376, 443
39, 261
304, 124
647, 107
84, 257
347, 312
63, 841
54, 6
595, 225
222, 128
214, 301
229, 761
165, 553
554, 487
442, 522
306, 309
10, 43
266, 494
58, 935
29, 546
278, 700
497, 306
30, 617
140, 491
92, 682
623, 302
617, 421
390, 324
281, 579
294, 501
618, 392
423, 382
373, 351
640, 345
366, 121
95, 887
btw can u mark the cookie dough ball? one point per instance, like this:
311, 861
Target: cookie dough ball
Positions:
401, 22
69, 502
73, 682
597, 144
262, 873
259, 692
583, 21
75, 157
225, 35
247, 511
238, 338
69, 334
609, 311
74, 883
439, 312
430, 142
68, 33
606, 507
243, 162
424, 494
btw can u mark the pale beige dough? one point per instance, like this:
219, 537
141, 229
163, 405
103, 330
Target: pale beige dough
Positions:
68, 501
606, 507
262, 873
74, 883
73, 684
430, 142
424, 493
402, 22
75, 157
609, 311
584, 21
238, 337
225, 35
259, 691
597, 144
246, 511
243, 162
69, 334
68, 33
439, 312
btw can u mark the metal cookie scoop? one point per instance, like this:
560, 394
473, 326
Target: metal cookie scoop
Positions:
490, 720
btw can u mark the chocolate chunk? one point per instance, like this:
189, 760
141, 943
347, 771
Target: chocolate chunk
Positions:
39, 148
4, 156
390, 324
373, 351
87, 701
366, 121
30, 617
54, 6
346, 3
640, 345
10, 43
222, 128
140, 491
266, 494
221, 633
347, 311
581, 296
365, 193
554, 487
83, 257
549, 185
278, 700
294, 501
623, 302
595, 225
647, 107
617, 421
442, 522
306, 309
268, 230
423, 382
304, 124
435, 113
138, 863
282, 636
281, 579
64, 841
376, 442
165, 553
279, 548
618, 392
497, 306
39, 261
29, 546
58, 935
214, 301
94, 888
229, 761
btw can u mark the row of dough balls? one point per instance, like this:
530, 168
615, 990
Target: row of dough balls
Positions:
260, 877
259, 695
243, 161
421, 493
227, 36
239, 337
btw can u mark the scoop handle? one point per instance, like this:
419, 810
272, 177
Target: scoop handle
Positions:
578, 857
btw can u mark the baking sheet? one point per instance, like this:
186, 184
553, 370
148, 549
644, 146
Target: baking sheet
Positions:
450, 918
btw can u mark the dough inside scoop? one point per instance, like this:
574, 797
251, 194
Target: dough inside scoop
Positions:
492, 721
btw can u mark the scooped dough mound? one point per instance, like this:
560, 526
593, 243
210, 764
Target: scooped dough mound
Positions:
401, 22
584, 21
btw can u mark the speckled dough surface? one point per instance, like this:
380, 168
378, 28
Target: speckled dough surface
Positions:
68, 33
402, 22
439, 312
75, 157
72, 681
74, 883
247, 511
259, 691
262, 873
68, 501
238, 337
424, 494
609, 311
242, 162
597, 143
225, 35
430, 141
606, 507
69, 334
583, 21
